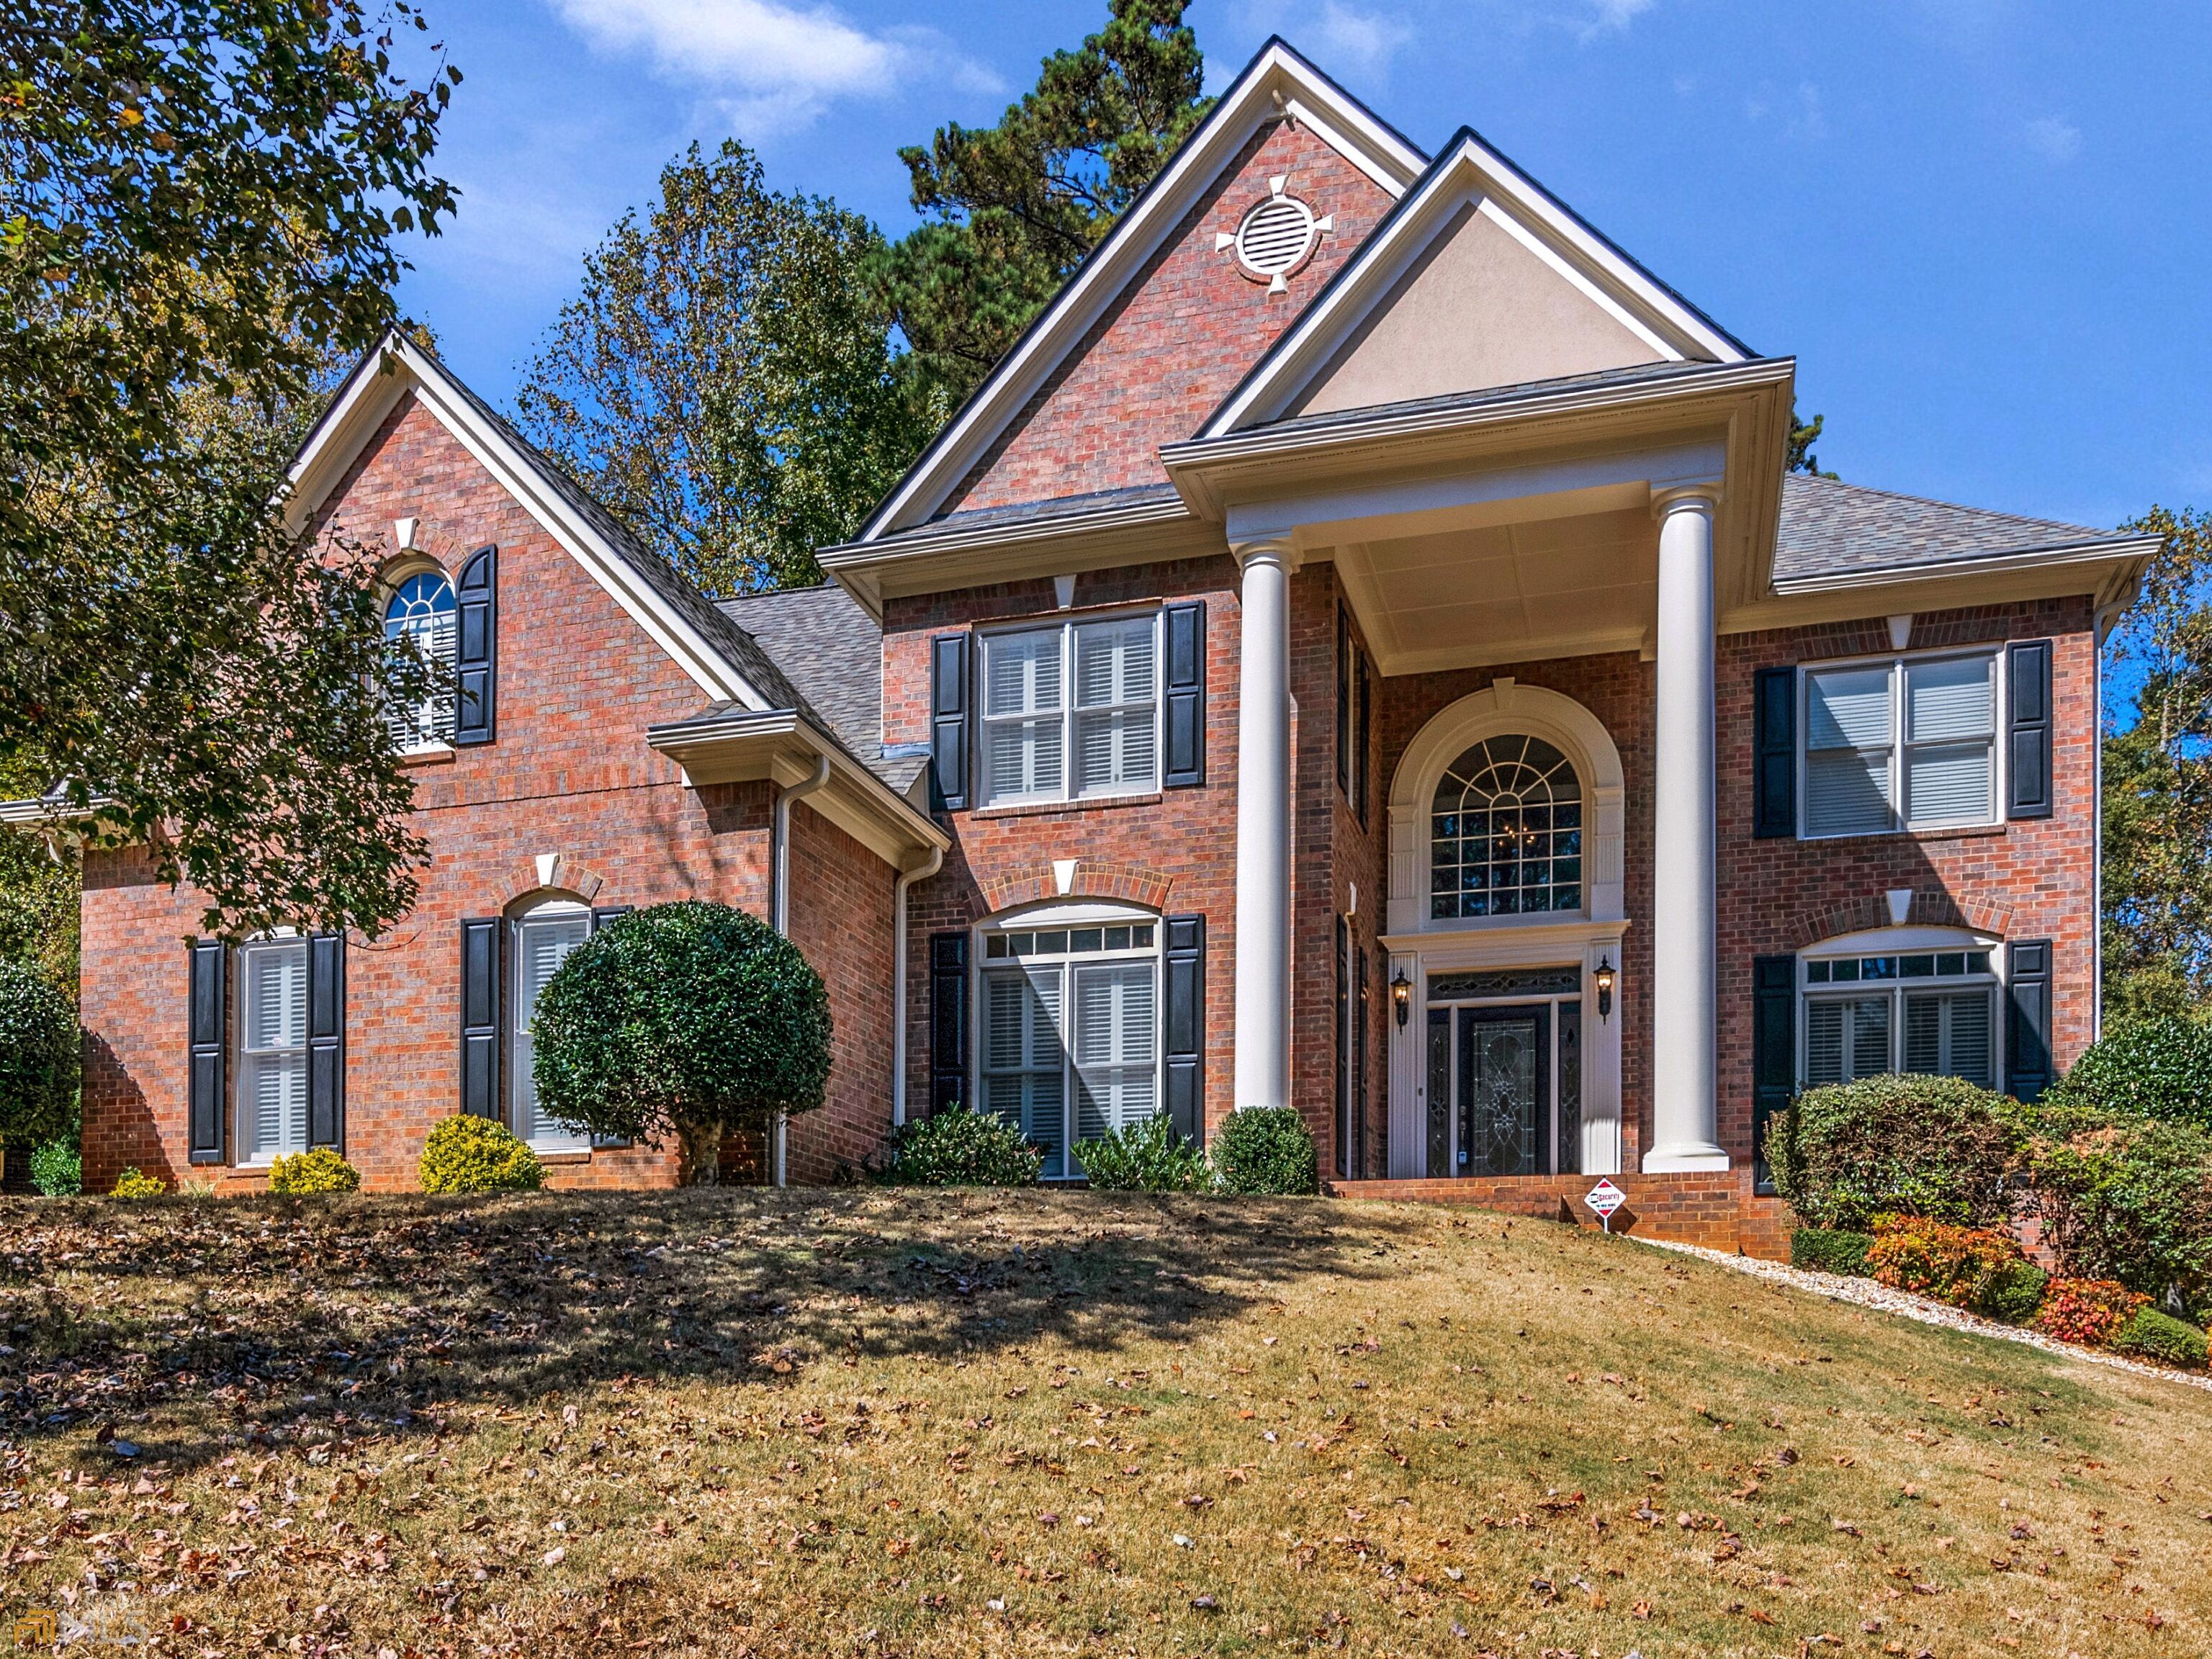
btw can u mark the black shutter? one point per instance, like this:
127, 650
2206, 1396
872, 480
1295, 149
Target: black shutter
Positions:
600, 917
948, 1020
2028, 725
2027, 1018
205, 1029
1774, 757
1185, 696
1343, 1048
326, 1040
1362, 737
476, 658
1773, 1051
480, 988
1185, 1044
948, 723
1343, 703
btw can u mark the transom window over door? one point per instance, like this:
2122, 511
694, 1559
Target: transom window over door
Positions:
1506, 832
1070, 1035
420, 613
1072, 712
1910, 744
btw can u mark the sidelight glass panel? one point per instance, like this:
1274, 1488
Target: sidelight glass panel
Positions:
1569, 1111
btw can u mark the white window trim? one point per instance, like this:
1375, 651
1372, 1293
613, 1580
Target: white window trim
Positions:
511, 1039
1903, 941
1068, 794
1055, 915
1895, 661
395, 578
240, 1108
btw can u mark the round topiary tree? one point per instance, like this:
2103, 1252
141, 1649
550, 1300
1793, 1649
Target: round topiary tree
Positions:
2158, 1068
690, 1019
38, 1058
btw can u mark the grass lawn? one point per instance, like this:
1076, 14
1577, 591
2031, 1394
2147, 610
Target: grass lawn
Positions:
866, 1423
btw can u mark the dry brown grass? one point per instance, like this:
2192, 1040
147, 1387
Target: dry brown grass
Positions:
938, 1423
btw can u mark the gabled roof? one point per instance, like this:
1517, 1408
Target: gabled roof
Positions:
1470, 182
1833, 532
835, 653
1277, 83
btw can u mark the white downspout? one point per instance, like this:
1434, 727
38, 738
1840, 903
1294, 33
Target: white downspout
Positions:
2100, 630
906, 879
778, 918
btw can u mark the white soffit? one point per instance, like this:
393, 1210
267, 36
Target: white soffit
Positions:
1470, 175
396, 367
1277, 83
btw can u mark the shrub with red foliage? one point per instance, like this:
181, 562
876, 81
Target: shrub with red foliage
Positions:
1958, 1265
2088, 1310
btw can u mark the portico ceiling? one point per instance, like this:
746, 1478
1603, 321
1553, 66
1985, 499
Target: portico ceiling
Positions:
1568, 586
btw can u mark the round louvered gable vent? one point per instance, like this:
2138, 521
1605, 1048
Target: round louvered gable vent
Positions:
1276, 236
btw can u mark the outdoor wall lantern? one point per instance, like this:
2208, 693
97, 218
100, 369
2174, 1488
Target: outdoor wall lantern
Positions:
1401, 996
1603, 976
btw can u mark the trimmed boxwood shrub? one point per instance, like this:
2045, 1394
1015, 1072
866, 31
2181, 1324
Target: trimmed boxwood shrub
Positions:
38, 1055
131, 1184
1265, 1150
477, 1155
2158, 1068
57, 1169
956, 1147
1150, 1156
691, 1019
2150, 1334
1933, 1146
1832, 1251
2014, 1294
319, 1169
2129, 1199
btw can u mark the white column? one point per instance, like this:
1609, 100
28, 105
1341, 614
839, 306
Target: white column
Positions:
1684, 970
1263, 828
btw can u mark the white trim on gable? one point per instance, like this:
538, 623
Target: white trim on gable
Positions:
1471, 174
396, 367
1277, 83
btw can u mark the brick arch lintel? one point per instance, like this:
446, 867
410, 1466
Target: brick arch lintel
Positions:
570, 875
1093, 878
1930, 907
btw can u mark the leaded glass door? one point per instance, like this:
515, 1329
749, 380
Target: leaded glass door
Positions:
1505, 1081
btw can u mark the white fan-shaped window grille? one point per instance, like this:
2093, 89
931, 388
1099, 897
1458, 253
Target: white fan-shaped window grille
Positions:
1276, 236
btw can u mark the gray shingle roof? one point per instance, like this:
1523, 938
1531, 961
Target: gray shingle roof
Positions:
834, 651
1834, 529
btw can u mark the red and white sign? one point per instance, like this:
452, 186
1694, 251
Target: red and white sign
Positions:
1605, 1198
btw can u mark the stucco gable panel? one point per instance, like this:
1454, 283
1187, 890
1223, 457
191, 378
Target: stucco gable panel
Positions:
1479, 309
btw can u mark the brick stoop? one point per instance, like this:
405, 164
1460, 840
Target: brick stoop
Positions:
1718, 1210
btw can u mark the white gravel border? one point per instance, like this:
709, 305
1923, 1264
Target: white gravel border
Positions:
1866, 1293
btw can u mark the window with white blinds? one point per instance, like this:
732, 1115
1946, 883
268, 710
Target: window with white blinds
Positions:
421, 615
1072, 712
1069, 1032
1926, 1011
273, 1057
543, 939
1909, 743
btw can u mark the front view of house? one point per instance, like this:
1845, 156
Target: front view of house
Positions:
1361, 651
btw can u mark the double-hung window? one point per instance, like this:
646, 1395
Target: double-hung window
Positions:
1070, 1035
272, 1050
1072, 712
543, 939
1909, 743
1932, 1012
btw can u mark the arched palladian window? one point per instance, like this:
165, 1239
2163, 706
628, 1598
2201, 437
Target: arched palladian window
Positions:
1506, 832
421, 614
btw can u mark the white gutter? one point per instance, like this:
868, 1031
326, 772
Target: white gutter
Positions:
778, 918
906, 879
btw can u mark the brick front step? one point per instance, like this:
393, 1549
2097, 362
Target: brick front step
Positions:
1717, 1209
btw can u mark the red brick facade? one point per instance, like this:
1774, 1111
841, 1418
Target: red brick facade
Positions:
569, 775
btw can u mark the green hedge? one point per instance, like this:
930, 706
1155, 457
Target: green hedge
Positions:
2158, 1068
1933, 1146
1832, 1251
39, 1053
2130, 1199
2150, 1334
1264, 1150
1150, 1156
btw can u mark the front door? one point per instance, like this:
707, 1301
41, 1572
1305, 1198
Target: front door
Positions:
1504, 1086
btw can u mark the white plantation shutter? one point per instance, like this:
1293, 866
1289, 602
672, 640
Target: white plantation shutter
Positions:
1116, 677
542, 944
1947, 1033
1116, 1045
1950, 735
1023, 723
1846, 1038
1025, 1063
1848, 733
273, 1058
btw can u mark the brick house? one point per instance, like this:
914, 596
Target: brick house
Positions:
1359, 650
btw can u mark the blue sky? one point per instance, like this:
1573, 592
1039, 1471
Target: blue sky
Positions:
1983, 227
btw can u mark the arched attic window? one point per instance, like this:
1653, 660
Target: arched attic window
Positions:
1506, 832
422, 614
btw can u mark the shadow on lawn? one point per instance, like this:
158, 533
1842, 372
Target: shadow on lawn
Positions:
195, 1325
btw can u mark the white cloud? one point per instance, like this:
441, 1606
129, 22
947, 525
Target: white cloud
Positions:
1612, 16
1366, 40
776, 64
2052, 138
1804, 114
